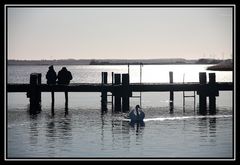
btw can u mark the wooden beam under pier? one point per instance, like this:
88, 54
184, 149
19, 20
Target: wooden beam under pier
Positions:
134, 87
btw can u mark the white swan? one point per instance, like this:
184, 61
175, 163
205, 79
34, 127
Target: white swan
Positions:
136, 115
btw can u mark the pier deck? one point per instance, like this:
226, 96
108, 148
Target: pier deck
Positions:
121, 90
134, 87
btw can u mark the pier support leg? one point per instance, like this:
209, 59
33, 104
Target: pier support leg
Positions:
35, 93
213, 93
53, 100
126, 92
202, 93
104, 92
39, 82
171, 100
117, 96
112, 91
66, 102
212, 105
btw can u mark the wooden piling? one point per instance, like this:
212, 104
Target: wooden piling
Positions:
171, 92
125, 92
34, 92
213, 92
39, 82
53, 101
104, 92
202, 93
112, 91
66, 102
117, 93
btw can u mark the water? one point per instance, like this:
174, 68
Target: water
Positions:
86, 133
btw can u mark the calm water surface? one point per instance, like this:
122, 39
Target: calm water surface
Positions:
86, 133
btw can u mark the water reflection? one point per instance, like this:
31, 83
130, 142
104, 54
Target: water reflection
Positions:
120, 134
58, 132
51, 136
212, 127
138, 126
33, 130
207, 130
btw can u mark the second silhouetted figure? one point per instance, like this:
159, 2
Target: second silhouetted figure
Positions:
64, 76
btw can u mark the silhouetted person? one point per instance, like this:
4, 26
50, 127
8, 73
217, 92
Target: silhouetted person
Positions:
64, 76
51, 76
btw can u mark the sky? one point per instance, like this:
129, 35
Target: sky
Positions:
37, 33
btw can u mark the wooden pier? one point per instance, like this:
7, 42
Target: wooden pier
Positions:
121, 90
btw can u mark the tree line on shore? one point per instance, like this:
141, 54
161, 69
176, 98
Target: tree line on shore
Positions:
113, 61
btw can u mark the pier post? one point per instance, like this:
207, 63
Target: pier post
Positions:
112, 91
117, 93
171, 92
35, 93
53, 100
39, 82
202, 93
125, 93
212, 93
104, 92
66, 102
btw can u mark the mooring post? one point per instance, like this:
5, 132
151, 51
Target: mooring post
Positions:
202, 93
34, 93
213, 92
112, 91
117, 93
171, 92
104, 92
39, 82
125, 93
66, 102
53, 100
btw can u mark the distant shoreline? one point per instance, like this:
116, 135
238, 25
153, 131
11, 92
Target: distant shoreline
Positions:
178, 61
226, 65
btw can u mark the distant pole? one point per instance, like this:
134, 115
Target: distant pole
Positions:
171, 92
141, 83
202, 93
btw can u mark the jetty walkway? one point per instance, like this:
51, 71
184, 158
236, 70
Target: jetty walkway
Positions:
121, 90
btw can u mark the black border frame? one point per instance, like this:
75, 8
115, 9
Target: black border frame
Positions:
117, 6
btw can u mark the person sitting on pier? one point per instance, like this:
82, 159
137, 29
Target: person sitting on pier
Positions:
64, 76
51, 76
137, 115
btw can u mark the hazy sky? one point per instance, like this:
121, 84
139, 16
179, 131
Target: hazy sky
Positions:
123, 33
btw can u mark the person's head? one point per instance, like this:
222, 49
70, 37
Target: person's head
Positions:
50, 67
64, 68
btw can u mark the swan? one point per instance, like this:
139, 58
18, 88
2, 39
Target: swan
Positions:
137, 115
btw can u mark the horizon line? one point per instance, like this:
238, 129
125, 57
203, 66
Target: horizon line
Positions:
118, 59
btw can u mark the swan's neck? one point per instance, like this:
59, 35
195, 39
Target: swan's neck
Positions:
137, 111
